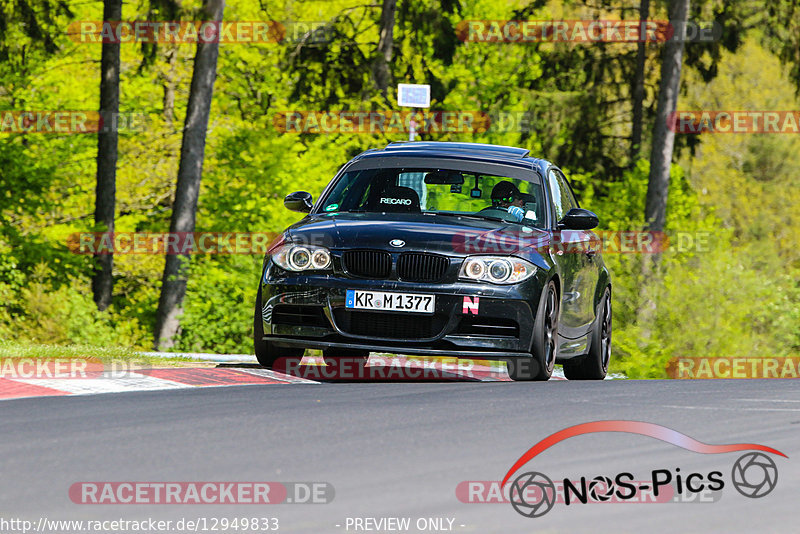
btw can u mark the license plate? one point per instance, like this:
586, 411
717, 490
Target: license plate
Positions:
399, 302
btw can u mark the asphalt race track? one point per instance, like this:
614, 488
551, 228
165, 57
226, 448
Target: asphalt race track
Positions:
401, 449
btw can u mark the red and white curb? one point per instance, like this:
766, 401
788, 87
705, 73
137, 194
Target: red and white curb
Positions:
150, 380
170, 378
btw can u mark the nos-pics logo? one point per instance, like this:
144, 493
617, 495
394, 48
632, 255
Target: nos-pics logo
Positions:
533, 494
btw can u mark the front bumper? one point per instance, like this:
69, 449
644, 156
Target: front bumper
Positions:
309, 311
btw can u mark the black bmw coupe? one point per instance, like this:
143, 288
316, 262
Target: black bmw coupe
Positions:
440, 249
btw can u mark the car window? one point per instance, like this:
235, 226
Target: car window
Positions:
563, 200
427, 190
416, 181
566, 190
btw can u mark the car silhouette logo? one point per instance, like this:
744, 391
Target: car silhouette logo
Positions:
397, 243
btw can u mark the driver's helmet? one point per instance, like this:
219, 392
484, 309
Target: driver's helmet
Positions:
505, 192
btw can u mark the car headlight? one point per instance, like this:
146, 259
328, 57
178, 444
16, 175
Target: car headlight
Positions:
298, 258
496, 269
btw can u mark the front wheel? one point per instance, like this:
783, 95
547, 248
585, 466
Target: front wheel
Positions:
267, 354
594, 366
545, 340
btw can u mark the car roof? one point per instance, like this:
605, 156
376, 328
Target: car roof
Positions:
517, 157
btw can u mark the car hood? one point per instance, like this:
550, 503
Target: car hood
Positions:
437, 233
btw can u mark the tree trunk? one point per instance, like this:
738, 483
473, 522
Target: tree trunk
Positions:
661, 156
173, 284
663, 134
637, 90
106, 189
380, 67
169, 86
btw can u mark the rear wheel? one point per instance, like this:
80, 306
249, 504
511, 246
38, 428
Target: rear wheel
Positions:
266, 352
545, 340
594, 366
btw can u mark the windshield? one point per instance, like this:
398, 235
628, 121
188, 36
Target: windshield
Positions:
428, 190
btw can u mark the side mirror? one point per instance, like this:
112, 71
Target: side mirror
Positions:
299, 201
578, 219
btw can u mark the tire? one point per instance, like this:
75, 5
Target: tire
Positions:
545, 340
594, 366
267, 353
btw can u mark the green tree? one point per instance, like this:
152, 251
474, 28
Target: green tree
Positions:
107, 145
184, 209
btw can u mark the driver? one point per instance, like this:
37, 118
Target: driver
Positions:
506, 196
